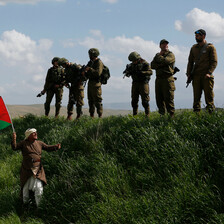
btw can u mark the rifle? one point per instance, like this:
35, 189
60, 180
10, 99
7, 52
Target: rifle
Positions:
175, 71
62, 82
127, 72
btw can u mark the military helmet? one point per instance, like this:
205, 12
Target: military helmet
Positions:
94, 52
62, 61
133, 56
55, 59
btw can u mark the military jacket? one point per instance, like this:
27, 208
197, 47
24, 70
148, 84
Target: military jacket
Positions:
55, 76
207, 62
73, 76
95, 71
140, 72
163, 64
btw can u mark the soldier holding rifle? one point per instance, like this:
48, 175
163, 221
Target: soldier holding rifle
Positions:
140, 72
53, 86
202, 62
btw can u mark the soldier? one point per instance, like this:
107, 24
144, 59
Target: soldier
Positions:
140, 72
202, 62
163, 63
53, 86
93, 71
76, 91
32, 175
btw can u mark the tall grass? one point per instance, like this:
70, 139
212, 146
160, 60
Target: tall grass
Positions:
122, 170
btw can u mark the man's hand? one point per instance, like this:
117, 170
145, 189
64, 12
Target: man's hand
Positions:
59, 146
207, 76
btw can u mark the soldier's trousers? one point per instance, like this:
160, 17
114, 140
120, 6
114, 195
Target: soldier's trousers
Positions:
76, 95
94, 93
58, 98
201, 83
142, 89
164, 90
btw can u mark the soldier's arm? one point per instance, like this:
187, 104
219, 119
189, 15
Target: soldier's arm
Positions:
213, 59
146, 71
96, 72
190, 62
48, 84
154, 64
165, 60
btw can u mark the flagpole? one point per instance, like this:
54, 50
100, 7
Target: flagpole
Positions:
13, 129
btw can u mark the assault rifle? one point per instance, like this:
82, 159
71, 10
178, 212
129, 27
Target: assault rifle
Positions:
127, 72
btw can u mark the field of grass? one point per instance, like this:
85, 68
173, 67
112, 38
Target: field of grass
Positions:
122, 169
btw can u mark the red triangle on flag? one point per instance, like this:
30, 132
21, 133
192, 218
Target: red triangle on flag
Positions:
4, 115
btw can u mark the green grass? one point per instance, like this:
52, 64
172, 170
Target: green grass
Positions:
122, 170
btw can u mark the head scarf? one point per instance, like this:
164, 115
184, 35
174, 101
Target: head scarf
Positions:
29, 131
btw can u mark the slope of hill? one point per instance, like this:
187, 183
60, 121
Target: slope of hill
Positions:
38, 109
122, 170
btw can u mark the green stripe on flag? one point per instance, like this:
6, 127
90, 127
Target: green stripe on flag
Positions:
4, 124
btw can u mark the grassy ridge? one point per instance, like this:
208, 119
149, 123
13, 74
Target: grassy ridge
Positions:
122, 170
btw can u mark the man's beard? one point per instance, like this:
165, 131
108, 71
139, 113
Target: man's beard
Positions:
198, 40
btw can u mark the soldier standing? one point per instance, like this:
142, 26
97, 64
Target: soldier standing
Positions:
140, 72
76, 91
202, 62
53, 86
93, 71
163, 63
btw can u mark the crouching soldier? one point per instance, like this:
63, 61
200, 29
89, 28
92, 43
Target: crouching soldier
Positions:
76, 91
140, 72
32, 175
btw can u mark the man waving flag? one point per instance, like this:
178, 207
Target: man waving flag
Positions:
5, 119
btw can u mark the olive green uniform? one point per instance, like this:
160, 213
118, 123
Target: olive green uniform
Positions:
76, 91
140, 74
206, 65
54, 77
164, 84
94, 90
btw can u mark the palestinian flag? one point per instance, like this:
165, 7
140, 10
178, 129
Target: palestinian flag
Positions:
5, 119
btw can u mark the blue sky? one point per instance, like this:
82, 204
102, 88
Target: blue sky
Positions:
32, 32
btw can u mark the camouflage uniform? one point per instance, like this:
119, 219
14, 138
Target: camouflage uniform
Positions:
93, 71
76, 91
54, 77
94, 90
206, 65
164, 84
140, 72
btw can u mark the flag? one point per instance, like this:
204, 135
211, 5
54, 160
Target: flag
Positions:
5, 119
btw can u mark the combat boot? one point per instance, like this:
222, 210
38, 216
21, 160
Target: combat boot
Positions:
92, 115
135, 111
147, 112
69, 117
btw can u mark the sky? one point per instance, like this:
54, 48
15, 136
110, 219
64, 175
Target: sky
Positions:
32, 32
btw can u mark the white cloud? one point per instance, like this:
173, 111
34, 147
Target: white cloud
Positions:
212, 22
110, 1
24, 64
4, 2
16, 48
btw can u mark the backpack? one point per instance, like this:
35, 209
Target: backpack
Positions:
105, 75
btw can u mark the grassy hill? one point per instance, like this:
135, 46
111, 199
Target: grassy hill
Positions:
122, 169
